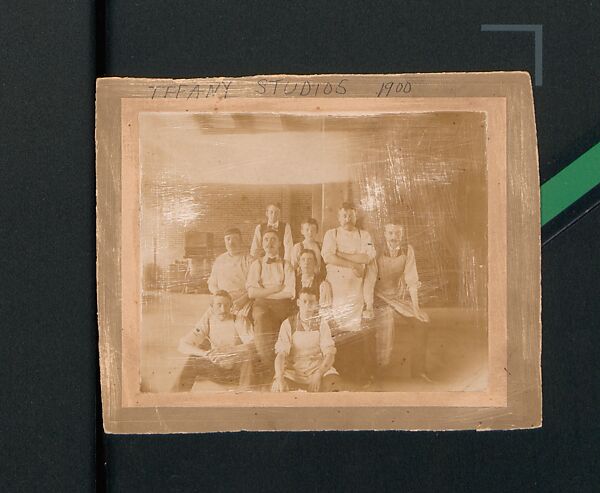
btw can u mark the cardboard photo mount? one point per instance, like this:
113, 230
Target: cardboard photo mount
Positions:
513, 397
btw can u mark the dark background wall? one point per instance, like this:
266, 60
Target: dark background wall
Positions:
51, 53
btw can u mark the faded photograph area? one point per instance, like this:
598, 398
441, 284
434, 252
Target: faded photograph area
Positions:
289, 252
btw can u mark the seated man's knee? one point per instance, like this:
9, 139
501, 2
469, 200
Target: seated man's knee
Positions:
187, 377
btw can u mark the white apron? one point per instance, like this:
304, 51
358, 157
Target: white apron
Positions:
347, 303
346, 287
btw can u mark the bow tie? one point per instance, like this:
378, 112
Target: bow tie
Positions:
307, 282
273, 226
273, 260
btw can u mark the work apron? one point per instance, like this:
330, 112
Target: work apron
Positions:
348, 300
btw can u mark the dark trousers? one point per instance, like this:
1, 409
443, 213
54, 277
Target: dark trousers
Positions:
329, 383
419, 334
355, 357
268, 316
199, 367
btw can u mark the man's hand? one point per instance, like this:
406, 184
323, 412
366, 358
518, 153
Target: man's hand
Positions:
421, 315
358, 270
212, 356
194, 351
279, 385
222, 357
326, 294
239, 303
314, 382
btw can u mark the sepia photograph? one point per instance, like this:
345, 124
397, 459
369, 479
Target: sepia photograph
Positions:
300, 253
364, 260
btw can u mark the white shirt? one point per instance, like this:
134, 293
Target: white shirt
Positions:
267, 275
229, 273
220, 333
351, 242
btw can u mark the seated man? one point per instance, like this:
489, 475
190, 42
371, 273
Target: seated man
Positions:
309, 229
305, 350
271, 284
229, 272
308, 276
219, 348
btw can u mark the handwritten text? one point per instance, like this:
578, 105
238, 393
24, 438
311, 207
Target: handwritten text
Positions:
183, 91
279, 87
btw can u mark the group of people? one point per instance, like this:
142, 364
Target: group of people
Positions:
282, 315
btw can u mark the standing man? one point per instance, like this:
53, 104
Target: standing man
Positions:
283, 231
398, 277
229, 272
347, 251
271, 284
349, 254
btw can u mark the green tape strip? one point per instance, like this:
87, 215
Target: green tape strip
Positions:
570, 184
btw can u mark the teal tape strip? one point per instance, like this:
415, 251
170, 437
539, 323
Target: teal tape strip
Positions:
570, 184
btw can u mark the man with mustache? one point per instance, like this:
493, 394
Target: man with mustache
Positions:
397, 276
271, 284
349, 254
347, 251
